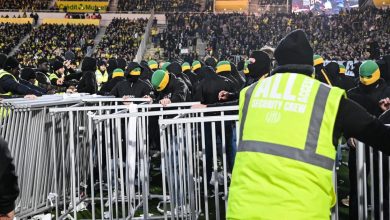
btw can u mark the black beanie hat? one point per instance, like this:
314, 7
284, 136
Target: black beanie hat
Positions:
112, 65
259, 63
121, 63
89, 64
27, 74
333, 69
56, 65
174, 68
211, 61
102, 63
10, 63
3, 58
294, 49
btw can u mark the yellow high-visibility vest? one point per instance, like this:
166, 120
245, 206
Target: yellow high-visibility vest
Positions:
285, 158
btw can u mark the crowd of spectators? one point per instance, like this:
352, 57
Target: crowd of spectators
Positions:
158, 5
335, 37
11, 34
25, 4
122, 38
180, 33
51, 40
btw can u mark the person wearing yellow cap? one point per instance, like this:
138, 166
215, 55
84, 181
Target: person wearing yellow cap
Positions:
195, 67
186, 69
320, 73
369, 93
153, 65
133, 86
170, 88
118, 75
224, 68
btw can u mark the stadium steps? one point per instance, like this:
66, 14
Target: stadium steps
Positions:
151, 50
98, 38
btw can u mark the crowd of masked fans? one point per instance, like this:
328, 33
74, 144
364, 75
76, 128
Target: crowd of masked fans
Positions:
158, 5
51, 40
122, 38
336, 37
11, 34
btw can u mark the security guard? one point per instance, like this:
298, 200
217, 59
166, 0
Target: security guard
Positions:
290, 124
101, 73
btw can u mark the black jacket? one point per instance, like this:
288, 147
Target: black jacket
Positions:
369, 96
176, 90
31, 86
9, 190
108, 86
352, 119
9, 84
87, 83
136, 89
320, 73
208, 89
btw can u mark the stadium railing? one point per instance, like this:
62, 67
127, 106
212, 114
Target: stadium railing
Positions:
94, 152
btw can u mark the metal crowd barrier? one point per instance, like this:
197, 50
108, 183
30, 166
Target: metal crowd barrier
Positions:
25, 125
97, 170
94, 153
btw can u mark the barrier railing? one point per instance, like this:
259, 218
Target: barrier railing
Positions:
95, 154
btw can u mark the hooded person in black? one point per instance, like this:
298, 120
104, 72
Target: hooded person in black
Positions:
320, 72
224, 68
113, 79
369, 94
175, 69
88, 83
346, 82
211, 61
259, 65
333, 70
133, 86
170, 88
122, 63
186, 69
211, 84
207, 93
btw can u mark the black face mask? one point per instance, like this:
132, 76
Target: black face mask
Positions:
132, 78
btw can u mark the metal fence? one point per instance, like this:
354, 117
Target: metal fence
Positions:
94, 154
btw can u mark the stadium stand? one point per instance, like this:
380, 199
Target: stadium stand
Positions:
51, 40
11, 34
121, 39
237, 34
24, 4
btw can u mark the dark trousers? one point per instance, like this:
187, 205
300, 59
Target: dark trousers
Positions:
209, 146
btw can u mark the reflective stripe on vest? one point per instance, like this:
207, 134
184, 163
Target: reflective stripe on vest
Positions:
308, 155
